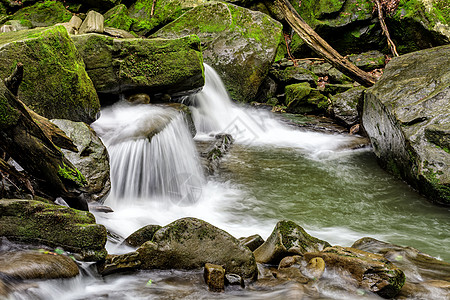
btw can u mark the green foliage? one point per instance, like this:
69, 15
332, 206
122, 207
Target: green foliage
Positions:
72, 174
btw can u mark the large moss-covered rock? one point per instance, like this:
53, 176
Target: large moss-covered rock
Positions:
302, 98
147, 65
100, 5
55, 83
92, 159
371, 271
117, 17
53, 225
287, 239
43, 14
239, 44
190, 243
407, 116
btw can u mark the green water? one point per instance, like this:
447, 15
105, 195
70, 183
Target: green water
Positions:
341, 198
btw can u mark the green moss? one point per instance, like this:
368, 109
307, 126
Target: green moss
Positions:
72, 174
117, 17
8, 115
45, 13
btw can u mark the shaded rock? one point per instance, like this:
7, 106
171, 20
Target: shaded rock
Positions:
347, 105
301, 98
117, 17
368, 61
53, 225
411, 96
239, 44
214, 151
337, 76
335, 88
372, 272
149, 66
286, 239
92, 159
416, 265
214, 276
101, 5
293, 74
93, 23
234, 279
55, 83
252, 242
142, 235
43, 14
139, 98
119, 263
37, 265
189, 243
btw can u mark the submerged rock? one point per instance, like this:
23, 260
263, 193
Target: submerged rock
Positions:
53, 225
37, 265
406, 115
55, 83
149, 66
239, 44
371, 271
190, 243
287, 239
92, 159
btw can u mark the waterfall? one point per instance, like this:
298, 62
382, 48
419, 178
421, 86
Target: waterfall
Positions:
152, 154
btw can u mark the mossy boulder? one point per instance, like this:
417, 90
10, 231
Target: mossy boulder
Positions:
151, 66
55, 83
117, 17
53, 225
99, 5
406, 115
369, 60
238, 43
190, 243
43, 14
294, 74
287, 239
346, 106
142, 235
371, 271
302, 98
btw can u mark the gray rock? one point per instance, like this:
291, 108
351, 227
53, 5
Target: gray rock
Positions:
92, 159
189, 243
239, 44
368, 61
287, 239
93, 23
345, 106
142, 235
406, 115
234, 279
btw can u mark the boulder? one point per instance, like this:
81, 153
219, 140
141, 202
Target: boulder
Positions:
93, 23
406, 115
142, 235
119, 263
92, 159
53, 225
55, 83
214, 276
301, 98
37, 265
371, 271
190, 243
239, 44
117, 17
346, 106
287, 239
150, 66
43, 14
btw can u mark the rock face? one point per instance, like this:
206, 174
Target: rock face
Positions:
240, 44
372, 272
151, 66
189, 243
53, 225
287, 239
345, 106
37, 265
92, 159
407, 116
55, 83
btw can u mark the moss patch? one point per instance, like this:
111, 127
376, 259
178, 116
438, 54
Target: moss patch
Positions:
45, 13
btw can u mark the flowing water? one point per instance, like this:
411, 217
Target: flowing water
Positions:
273, 172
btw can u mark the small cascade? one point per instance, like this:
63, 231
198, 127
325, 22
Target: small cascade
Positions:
152, 154
214, 112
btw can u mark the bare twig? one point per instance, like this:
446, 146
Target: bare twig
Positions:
384, 27
152, 12
289, 50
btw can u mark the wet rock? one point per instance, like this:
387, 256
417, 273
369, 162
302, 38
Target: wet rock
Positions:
301, 98
293, 74
411, 96
336, 76
211, 153
368, 61
252, 242
315, 268
287, 239
347, 105
189, 243
53, 225
139, 98
335, 88
240, 44
142, 235
37, 265
149, 66
371, 271
416, 265
119, 263
214, 276
433, 289
289, 261
92, 159
291, 273
234, 279
93, 23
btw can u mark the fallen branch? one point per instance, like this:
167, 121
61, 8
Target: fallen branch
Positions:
152, 12
384, 28
321, 47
